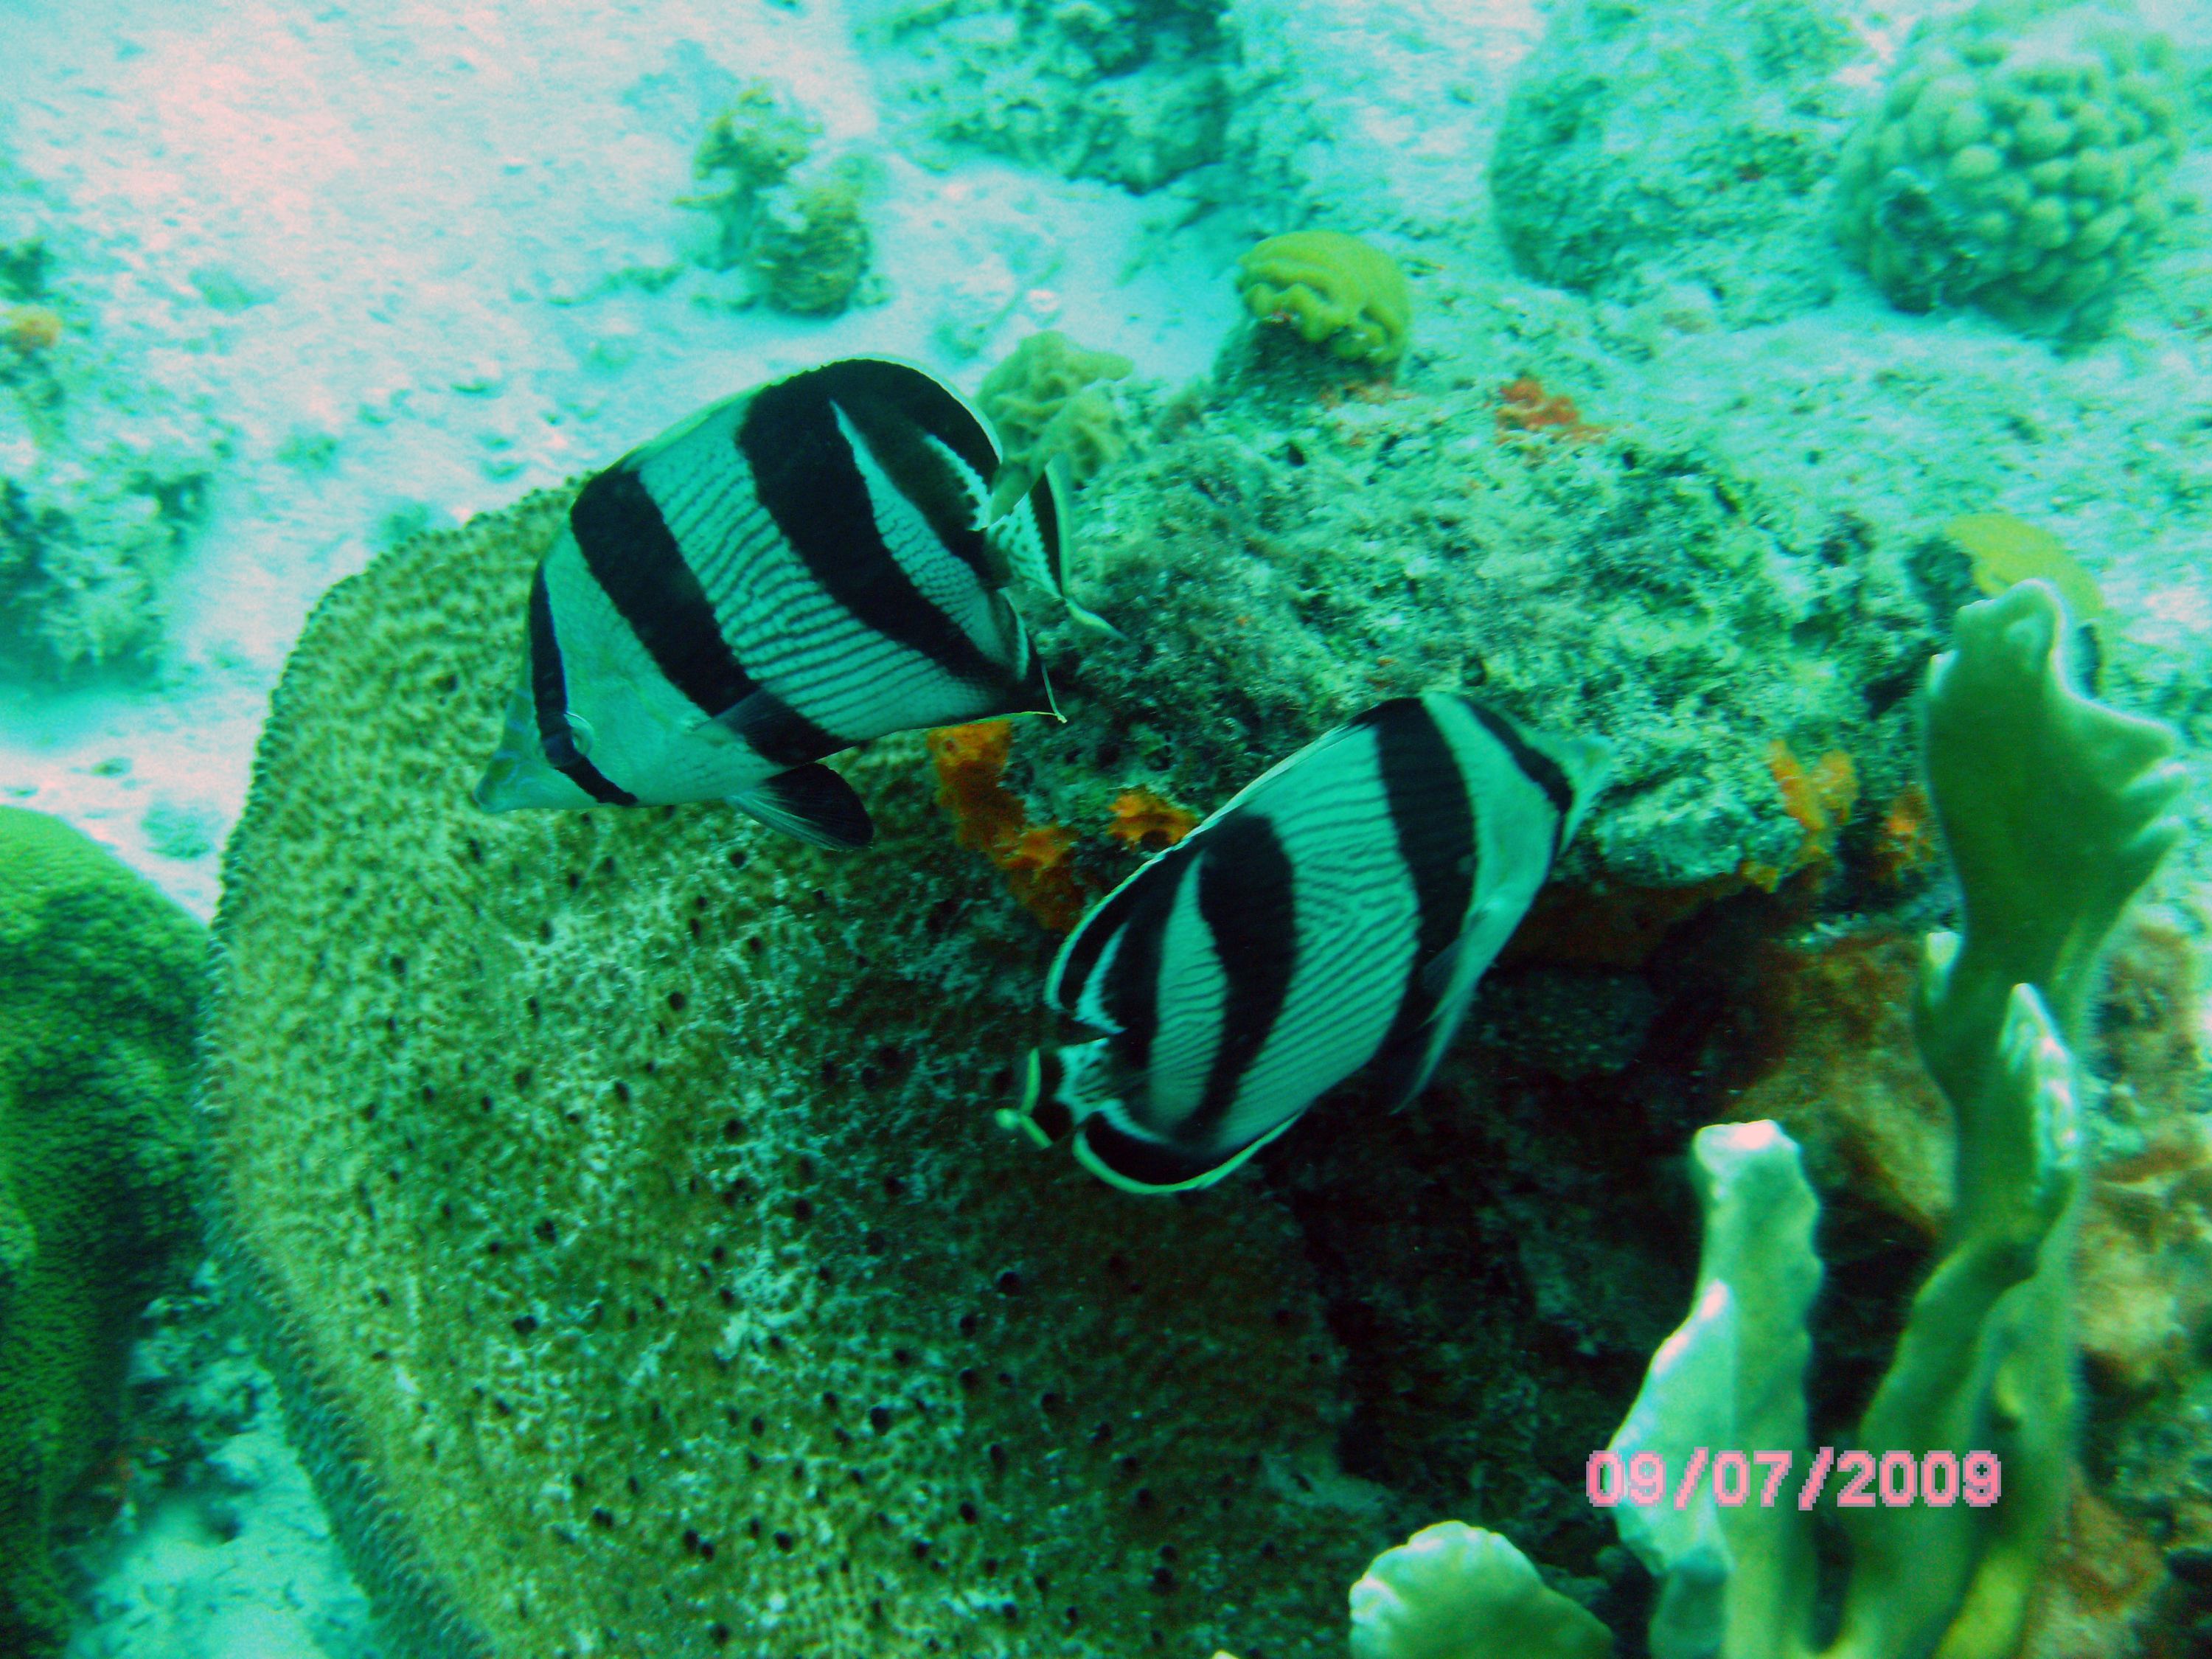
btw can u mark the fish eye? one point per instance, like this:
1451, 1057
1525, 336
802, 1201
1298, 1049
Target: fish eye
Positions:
581, 733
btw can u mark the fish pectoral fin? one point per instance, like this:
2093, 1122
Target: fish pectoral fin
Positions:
812, 804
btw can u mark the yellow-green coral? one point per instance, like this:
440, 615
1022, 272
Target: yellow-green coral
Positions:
100, 977
2019, 160
1048, 399
1336, 290
2003, 550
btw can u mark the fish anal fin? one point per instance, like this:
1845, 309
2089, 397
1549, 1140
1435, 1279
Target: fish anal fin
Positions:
811, 804
771, 728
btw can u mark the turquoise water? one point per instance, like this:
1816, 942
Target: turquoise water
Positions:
608, 1228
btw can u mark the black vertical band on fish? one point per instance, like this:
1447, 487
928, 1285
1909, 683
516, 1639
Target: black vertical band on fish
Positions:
1345, 904
1246, 900
549, 696
807, 478
1433, 818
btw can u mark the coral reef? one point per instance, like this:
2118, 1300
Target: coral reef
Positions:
101, 482
2019, 160
1360, 547
100, 982
1642, 149
1333, 291
637, 1052
641, 1267
1050, 398
790, 217
2055, 811
1128, 91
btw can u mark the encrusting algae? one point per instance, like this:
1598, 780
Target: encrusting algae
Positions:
991, 819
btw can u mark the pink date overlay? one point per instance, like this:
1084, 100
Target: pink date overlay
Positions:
1894, 1480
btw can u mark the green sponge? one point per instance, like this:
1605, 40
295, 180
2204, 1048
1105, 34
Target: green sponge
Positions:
100, 979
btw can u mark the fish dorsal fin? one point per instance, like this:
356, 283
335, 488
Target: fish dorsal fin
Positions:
1031, 538
812, 804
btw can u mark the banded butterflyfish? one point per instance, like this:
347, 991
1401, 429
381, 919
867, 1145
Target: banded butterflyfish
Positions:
791, 571
1329, 923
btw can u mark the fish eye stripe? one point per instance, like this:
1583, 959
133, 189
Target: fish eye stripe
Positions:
925, 474
633, 556
917, 396
1078, 958
808, 479
550, 700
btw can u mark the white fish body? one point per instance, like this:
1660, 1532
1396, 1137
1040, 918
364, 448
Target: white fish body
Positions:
787, 572
1332, 920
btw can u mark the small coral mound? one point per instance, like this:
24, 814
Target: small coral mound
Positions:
2019, 161
1337, 291
1646, 149
100, 981
792, 218
2003, 550
1048, 398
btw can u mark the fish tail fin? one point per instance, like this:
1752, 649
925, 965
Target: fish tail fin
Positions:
1032, 536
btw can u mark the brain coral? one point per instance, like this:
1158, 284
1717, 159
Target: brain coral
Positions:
2018, 161
1335, 290
644, 1269
99, 978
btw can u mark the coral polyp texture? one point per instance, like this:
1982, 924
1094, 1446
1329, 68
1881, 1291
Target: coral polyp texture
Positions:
100, 981
1646, 150
644, 1270
2020, 160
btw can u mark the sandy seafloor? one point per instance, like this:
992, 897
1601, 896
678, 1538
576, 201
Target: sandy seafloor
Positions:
437, 233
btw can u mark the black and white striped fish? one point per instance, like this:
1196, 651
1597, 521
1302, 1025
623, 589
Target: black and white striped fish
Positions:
1332, 920
789, 572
